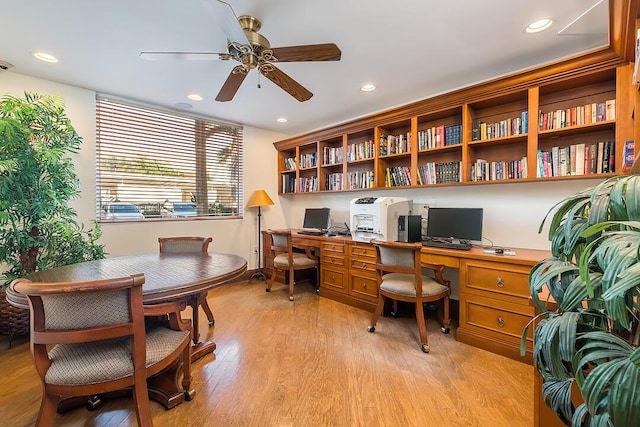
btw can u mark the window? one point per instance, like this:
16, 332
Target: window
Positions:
160, 164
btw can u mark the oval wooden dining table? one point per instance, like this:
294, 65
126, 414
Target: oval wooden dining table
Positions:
168, 277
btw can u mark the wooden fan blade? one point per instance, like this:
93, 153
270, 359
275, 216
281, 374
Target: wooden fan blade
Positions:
223, 14
310, 52
287, 84
232, 84
197, 56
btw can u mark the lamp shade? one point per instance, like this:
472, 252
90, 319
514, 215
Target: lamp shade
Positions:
259, 198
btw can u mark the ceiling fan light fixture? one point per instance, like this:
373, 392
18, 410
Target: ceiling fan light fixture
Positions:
368, 87
195, 97
43, 56
539, 25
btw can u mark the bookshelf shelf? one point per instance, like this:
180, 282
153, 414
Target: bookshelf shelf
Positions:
485, 134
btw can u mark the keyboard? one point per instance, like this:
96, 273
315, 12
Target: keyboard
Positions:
311, 232
447, 245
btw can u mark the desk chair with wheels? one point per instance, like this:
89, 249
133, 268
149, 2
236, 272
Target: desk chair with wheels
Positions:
400, 277
90, 337
190, 244
288, 261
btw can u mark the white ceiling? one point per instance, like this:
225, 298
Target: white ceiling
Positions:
410, 49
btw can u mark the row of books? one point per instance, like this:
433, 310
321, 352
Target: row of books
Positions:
439, 136
483, 170
438, 173
288, 183
308, 160
577, 116
358, 180
577, 159
334, 182
395, 144
332, 155
290, 163
507, 127
308, 184
397, 176
360, 151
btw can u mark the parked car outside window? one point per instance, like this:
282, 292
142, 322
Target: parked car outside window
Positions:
178, 210
122, 210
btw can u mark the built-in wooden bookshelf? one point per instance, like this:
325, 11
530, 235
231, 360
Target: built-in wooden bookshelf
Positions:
541, 125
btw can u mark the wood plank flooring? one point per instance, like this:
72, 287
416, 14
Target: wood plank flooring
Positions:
310, 362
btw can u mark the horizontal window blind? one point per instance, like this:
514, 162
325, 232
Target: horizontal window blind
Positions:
159, 164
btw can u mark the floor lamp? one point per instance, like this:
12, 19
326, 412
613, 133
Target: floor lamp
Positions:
259, 198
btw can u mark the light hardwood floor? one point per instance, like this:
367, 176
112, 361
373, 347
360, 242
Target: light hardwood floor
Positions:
310, 362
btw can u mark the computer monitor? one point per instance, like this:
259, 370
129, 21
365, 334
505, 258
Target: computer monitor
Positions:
456, 224
316, 218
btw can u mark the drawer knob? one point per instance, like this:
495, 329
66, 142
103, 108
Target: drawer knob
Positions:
333, 260
500, 282
333, 278
364, 252
364, 266
364, 286
501, 322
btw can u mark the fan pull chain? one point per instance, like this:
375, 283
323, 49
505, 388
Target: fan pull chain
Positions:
259, 81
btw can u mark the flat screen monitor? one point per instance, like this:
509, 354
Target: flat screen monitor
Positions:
455, 223
316, 218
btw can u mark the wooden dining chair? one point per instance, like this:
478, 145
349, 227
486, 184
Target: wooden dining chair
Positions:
400, 278
89, 338
288, 261
190, 244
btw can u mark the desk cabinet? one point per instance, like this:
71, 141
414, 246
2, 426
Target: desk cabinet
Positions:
362, 272
333, 275
494, 306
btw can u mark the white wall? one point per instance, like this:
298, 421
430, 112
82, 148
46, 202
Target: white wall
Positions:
512, 212
236, 236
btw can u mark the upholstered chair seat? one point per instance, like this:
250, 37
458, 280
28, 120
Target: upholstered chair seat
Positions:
287, 260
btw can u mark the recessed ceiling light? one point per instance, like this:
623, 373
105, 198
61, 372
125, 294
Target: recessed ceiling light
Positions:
282, 120
42, 56
368, 88
183, 105
539, 25
195, 97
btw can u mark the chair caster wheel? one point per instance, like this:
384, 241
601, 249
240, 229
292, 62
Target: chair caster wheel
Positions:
445, 329
212, 322
93, 403
393, 314
371, 329
267, 290
425, 348
290, 298
189, 394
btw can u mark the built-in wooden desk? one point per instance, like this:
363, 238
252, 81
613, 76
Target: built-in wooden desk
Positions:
494, 290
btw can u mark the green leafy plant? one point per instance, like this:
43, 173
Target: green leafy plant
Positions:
38, 229
591, 339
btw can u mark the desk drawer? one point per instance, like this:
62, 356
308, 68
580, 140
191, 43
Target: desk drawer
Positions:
363, 265
334, 248
332, 260
334, 280
364, 286
501, 320
507, 282
363, 252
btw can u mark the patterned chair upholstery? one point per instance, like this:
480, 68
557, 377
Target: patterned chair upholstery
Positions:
400, 278
288, 261
184, 245
90, 337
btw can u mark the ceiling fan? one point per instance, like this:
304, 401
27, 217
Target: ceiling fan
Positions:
252, 50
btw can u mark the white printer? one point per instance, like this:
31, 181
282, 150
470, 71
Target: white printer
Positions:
377, 217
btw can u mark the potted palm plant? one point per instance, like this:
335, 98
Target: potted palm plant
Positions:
588, 339
38, 229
